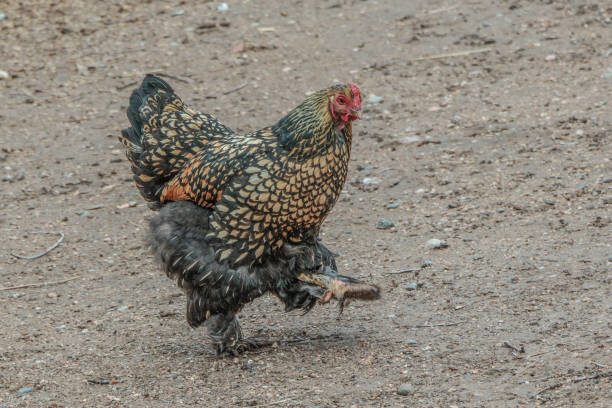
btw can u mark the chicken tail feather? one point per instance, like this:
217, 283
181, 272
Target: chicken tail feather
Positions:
164, 135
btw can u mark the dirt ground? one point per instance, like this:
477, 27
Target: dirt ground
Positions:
493, 136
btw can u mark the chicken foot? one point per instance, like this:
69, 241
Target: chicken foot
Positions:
339, 287
226, 335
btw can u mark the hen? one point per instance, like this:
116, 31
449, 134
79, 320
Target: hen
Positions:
240, 213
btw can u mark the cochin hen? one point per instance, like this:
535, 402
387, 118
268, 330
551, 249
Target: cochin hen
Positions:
239, 214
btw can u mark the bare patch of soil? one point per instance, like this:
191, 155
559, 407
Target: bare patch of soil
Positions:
493, 135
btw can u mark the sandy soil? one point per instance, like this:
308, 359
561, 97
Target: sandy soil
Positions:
494, 136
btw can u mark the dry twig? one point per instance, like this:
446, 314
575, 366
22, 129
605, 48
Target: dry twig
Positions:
122, 87
35, 285
450, 54
51, 248
178, 78
239, 87
440, 10
403, 271
573, 380
432, 325
513, 347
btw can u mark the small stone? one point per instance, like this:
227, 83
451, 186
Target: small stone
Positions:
405, 389
393, 205
412, 286
375, 99
2, 16
551, 57
25, 390
20, 174
426, 264
607, 75
384, 223
410, 139
223, 7
85, 214
4, 75
477, 257
371, 181
122, 308
410, 342
437, 243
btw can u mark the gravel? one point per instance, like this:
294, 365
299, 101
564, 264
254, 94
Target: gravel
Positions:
405, 389
375, 99
384, 223
435, 243
25, 390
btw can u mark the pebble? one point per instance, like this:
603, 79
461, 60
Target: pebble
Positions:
410, 341
375, 99
412, 286
4, 75
426, 264
122, 308
437, 243
405, 389
551, 57
223, 7
606, 75
410, 139
85, 214
477, 257
393, 205
371, 181
25, 390
384, 223
2, 16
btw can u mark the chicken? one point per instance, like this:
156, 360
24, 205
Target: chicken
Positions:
239, 214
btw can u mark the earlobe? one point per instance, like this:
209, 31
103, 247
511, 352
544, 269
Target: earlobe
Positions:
331, 108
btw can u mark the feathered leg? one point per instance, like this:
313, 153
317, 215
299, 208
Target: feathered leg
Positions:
226, 335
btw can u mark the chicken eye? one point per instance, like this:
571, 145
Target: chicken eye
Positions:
341, 100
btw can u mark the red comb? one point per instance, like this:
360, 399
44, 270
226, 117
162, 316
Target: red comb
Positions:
356, 95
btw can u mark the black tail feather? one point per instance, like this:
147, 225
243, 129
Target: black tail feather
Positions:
149, 87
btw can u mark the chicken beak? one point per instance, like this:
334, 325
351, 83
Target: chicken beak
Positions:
355, 114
